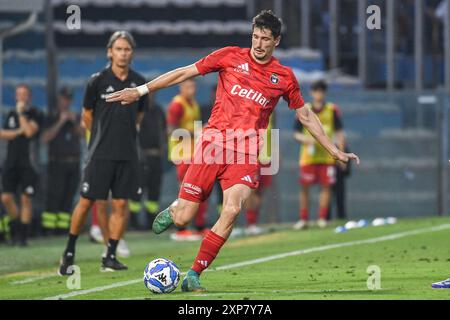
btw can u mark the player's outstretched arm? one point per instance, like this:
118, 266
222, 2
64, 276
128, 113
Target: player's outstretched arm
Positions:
168, 79
312, 123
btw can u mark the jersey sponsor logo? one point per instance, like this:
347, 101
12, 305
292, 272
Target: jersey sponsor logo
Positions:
250, 94
243, 68
247, 178
110, 89
192, 189
274, 78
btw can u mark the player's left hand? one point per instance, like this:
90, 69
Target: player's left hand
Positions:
125, 96
346, 157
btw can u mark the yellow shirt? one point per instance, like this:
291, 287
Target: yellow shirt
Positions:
191, 113
316, 154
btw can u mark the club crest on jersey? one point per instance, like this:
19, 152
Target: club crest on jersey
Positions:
274, 78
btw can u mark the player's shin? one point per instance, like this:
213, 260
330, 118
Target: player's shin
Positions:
209, 249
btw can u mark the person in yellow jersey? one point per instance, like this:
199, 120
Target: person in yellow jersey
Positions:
316, 165
183, 111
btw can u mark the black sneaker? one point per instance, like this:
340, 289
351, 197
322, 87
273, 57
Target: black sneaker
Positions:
23, 243
110, 264
14, 235
67, 260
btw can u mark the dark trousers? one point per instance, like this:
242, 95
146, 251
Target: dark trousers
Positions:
62, 184
339, 195
153, 170
150, 176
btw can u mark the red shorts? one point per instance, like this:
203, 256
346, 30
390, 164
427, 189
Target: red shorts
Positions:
323, 174
181, 171
200, 177
265, 181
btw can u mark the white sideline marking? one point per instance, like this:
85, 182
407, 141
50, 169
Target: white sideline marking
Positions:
393, 236
32, 279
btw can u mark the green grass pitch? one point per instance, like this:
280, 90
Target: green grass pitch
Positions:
411, 255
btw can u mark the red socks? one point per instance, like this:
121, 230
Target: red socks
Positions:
94, 215
251, 216
323, 213
209, 249
304, 215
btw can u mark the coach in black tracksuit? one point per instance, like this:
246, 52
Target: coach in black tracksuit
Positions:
19, 175
112, 159
63, 134
152, 138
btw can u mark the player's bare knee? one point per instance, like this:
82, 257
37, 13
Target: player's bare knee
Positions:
25, 200
230, 211
85, 204
120, 205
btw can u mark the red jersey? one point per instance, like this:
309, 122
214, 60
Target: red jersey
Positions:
247, 91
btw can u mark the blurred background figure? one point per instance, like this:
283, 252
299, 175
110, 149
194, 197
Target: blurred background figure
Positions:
152, 137
316, 165
62, 133
19, 175
338, 204
182, 112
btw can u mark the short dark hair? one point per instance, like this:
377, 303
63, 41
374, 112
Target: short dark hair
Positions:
66, 92
121, 34
319, 85
266, 19
24, 85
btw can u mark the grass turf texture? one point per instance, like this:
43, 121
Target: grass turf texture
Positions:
408, 266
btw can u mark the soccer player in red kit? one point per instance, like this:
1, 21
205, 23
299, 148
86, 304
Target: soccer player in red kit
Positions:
251, 81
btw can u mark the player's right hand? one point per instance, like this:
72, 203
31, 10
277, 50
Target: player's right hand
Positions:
125, 96
346, 157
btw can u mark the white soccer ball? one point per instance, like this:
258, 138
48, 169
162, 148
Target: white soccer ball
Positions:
161, 276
